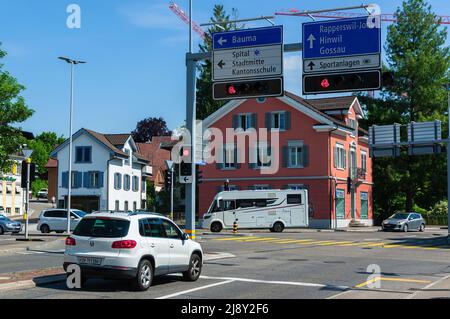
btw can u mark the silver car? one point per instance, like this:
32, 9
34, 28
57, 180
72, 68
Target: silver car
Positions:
56, 220
404, 222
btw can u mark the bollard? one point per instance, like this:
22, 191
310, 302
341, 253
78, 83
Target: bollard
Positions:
235, 227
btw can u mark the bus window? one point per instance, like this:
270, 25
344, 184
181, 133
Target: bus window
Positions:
260, 202
228, 205
244, 203
294, 199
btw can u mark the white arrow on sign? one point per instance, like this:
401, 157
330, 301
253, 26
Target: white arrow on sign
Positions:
221, 41
311, 40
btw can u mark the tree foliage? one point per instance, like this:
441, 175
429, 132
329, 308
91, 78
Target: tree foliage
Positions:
42, 146
420, 61
13, 110
205, 103
150, 127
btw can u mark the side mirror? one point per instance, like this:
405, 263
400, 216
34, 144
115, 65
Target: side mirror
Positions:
185, 236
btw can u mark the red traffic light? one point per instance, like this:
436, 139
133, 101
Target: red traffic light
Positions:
231, 90
325, 83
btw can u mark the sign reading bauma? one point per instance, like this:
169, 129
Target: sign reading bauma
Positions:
248, 38
338, 38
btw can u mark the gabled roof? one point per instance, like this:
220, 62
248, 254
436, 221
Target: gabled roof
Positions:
117, 139
105, 141
155, 153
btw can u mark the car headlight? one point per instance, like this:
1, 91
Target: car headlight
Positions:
10, 224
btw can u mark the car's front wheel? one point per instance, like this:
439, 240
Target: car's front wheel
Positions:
278, 227
422, 228
195, 269
405, 228
144, 276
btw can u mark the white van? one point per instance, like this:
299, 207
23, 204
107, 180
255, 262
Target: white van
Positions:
273, 209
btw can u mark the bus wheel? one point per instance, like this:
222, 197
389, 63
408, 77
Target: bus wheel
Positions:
278, 227
216, 227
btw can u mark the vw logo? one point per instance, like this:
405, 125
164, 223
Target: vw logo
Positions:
91, 243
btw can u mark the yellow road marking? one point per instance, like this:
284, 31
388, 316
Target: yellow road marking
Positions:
392, 279
374, 245
258, 239
317, 242
292, 241
359, 244
235, 238
392, 245
335, 243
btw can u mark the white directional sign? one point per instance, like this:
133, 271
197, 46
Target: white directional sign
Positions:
341, 63
243, 63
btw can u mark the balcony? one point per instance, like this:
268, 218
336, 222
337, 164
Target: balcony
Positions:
358, 174
147, 170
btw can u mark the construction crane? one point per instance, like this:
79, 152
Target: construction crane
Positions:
345, 15
183, 16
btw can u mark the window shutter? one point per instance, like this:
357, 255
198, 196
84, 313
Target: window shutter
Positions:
335, 155
288, 121
236, 158
268, 121
235, 121
86, 180
100, 179
255, 121
65, 180
305, 155
285, 156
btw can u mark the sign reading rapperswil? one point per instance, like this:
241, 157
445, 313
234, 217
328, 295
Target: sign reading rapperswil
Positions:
250, 56
338, 47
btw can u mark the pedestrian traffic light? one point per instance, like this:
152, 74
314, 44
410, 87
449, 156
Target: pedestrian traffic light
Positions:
25, 173
349, 185
168, 180
248, 89
185, 173
342, 82
199, 175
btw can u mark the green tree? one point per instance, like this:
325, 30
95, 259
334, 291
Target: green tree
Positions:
420, 61
205, 103
42, 146
13, 110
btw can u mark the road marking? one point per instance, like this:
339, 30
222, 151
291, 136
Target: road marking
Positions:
289, 283
335, 243
424, 289
358, 244
291, 241
195, 289
259, 239
373, 245
235, 238
392, 279
317, 242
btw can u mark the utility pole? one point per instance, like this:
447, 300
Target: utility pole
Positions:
448, 165
69, 187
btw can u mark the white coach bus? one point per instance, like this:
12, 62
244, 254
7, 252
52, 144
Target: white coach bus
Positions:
272, 209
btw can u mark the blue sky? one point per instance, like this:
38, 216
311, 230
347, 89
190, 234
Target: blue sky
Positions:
135, 51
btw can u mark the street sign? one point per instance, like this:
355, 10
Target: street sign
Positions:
357, 62
248, 63
341, 37
342, 82
185, 173
248, 38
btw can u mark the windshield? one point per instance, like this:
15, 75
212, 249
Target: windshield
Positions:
4, 218
102, 227
80, 213
399, 216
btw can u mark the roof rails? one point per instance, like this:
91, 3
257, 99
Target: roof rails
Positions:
143, 212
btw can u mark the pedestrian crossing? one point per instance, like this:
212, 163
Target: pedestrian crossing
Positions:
332, 243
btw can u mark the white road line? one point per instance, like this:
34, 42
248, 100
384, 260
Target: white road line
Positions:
195, 289
289, 283
427, 287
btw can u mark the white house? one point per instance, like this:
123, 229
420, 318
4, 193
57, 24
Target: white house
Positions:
11, 193
108, 173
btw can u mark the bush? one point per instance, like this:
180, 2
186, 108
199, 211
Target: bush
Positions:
419, 210
439, 208
37, 185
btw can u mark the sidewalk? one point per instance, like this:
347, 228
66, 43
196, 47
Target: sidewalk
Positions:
437, 290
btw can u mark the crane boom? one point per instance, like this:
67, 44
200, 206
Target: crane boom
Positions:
180, 13
344, 15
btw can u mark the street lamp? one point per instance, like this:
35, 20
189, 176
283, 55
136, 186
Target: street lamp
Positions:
27, 153
72, 64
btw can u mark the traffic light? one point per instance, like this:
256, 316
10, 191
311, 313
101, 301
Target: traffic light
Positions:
168, 180
185, 173
388, 79
198, 175
342, 82
248, 89
349, 185
24, 173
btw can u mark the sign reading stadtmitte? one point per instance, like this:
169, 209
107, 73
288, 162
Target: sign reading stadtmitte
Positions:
245, 54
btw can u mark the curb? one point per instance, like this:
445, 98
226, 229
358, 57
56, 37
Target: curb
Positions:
32, 283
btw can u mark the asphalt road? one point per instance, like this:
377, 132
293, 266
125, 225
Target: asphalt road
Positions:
288, 265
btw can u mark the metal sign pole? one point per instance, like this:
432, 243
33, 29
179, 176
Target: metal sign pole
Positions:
448, 167
27, 198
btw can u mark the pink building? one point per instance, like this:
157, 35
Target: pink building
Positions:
320, 147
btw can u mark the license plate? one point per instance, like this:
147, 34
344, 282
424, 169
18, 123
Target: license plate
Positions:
90, 261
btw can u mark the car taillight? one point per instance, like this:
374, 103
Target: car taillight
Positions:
70, 241
124, 244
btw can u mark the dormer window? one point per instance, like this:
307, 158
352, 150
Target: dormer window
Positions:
128, 160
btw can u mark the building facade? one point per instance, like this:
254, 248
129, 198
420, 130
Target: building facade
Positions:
320, 146
11, 192
108, 173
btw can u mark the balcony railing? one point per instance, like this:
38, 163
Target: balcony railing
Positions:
358, 173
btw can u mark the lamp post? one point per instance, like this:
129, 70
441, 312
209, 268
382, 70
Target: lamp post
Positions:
69, 186
448, 165
27, 153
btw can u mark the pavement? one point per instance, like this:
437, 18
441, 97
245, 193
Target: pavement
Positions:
264, 265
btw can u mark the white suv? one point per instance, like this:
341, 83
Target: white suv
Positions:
135, 246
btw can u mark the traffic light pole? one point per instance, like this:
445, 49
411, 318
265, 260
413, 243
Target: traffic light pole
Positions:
448, 167
171, 192
191, 80
27, 198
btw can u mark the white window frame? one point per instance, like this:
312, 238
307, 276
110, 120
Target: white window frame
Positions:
341, 156
248, 121
295, 145
94, 178
364, 160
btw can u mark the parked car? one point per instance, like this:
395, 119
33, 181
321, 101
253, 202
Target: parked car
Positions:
404, 222
9, 226
133, 246
43, 193
56, 220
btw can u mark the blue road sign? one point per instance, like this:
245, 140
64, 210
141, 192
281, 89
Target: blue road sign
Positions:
248, 38
338, 38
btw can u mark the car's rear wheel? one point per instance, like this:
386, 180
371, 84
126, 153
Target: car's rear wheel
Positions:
278, 227
422, 228
45, 229
405, 228
216, 227
144, 276
195, 269
1, 230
